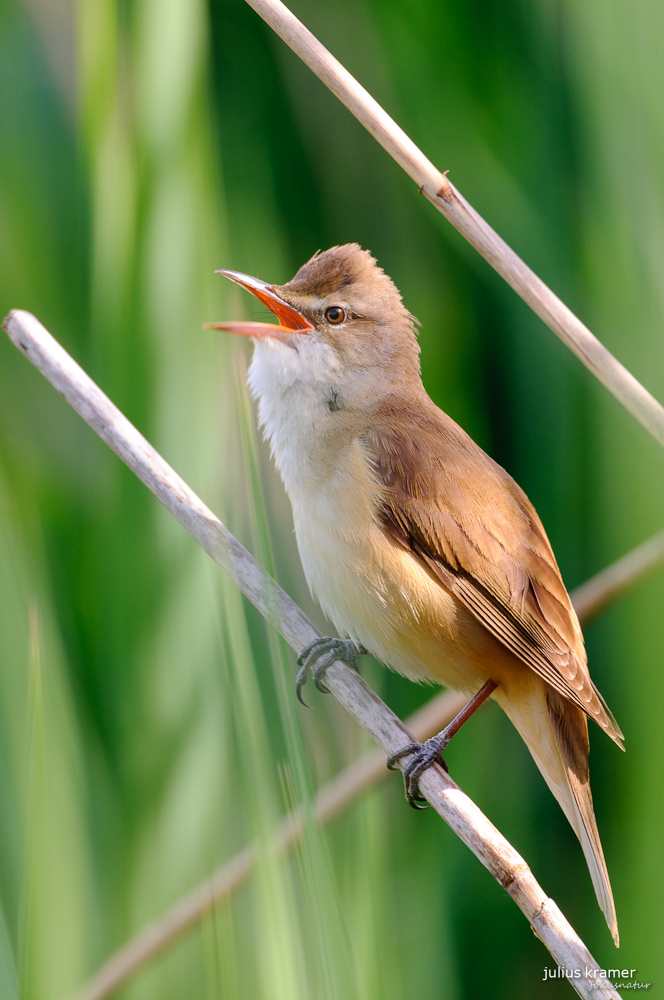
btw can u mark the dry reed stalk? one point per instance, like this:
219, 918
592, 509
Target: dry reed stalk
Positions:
442, 793
451, 203
338, 794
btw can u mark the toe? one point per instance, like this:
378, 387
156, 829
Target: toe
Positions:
394, 758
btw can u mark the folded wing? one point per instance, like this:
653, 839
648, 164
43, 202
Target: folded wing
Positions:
476, 531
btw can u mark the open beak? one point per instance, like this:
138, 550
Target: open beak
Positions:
290, 320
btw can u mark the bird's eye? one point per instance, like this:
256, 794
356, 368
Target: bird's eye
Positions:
335, 315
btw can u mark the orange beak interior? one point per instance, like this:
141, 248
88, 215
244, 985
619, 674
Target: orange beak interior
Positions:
290, 320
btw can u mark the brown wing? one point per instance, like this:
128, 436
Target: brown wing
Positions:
475, 529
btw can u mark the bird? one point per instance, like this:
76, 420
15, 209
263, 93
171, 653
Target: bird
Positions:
417, 545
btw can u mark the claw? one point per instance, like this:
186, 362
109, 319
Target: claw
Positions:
426, 754
423, 756
300, 681
315, 658
318, 671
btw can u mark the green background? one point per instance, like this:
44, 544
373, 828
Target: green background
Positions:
148, 728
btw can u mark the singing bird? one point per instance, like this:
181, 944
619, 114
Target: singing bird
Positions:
418, 546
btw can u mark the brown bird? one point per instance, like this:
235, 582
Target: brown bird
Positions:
418, 546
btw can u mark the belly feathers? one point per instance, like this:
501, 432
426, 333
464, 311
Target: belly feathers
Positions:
376, 592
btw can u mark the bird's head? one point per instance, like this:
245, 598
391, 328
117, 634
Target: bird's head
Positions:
343, 330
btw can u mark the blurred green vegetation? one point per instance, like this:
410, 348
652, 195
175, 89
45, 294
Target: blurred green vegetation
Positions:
148, 727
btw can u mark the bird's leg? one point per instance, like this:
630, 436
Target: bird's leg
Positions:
425, 754
317, 657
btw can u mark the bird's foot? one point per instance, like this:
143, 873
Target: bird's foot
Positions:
426, 754
315, 658
423, 756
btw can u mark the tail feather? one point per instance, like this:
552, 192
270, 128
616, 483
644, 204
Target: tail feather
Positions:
556, 733
570, 727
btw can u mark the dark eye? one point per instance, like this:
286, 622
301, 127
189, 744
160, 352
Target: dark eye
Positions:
335, 314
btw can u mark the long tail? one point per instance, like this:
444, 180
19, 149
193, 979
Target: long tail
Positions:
556, 733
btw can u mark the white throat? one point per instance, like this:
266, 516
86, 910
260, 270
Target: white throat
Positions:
301, 409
